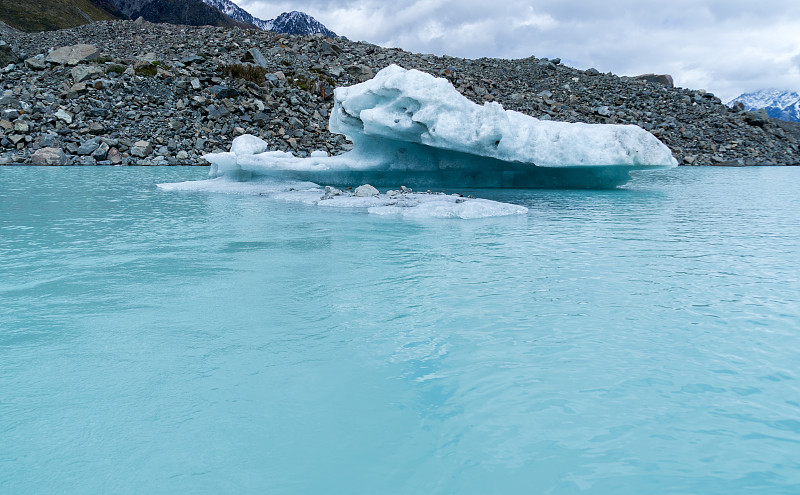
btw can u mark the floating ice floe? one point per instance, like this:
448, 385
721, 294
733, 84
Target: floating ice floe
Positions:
399, 203
408, 127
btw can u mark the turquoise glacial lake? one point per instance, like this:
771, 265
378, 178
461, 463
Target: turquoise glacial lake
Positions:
644, 340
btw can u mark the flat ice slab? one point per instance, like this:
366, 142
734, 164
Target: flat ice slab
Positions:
391, 203
408, 127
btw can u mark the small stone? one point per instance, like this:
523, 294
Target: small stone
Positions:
224, 92
603, 111
101, 152
49, 156
195, 82
328, 48
76, 88
35, 63
84, 72
331, 192
365, 191
258, 57
88, 148
359, 72
193, 59
46, 141
62, 114
182, 155
114, 156
97, 112
96, 128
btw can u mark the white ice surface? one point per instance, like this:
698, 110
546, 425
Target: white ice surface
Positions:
411, 205
410, 128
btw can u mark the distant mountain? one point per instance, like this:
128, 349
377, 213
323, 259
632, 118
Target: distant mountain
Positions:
235, 12
299, 23
783, 105
189, 12
46, 15
289, 22
129, 7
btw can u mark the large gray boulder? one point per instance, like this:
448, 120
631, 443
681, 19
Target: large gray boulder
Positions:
758, 118
664, 79
7, 55
49, 156
72, 55
141, 149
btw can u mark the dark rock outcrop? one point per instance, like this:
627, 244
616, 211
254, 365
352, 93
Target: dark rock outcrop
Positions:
7, 55
188, 12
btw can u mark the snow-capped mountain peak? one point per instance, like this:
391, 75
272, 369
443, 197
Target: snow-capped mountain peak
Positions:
295, 22
235, 12
780, 104
289, 22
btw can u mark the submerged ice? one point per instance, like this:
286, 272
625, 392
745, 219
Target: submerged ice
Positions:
403, 203
410, 128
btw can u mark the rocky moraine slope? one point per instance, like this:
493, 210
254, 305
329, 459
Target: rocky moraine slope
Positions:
145, 94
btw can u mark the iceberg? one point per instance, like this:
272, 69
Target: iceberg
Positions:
410, 128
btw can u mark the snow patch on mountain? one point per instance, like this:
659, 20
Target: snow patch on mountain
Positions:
235, 12
779, 104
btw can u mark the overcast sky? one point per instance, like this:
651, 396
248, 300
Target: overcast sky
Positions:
724, 46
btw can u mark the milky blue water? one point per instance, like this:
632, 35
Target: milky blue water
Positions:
635, 341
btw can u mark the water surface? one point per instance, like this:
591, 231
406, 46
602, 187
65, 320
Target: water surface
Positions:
641, 340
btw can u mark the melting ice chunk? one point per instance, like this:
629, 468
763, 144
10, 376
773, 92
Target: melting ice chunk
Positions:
404, 204
408, 127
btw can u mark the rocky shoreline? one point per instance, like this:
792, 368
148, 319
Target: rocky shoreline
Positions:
160, 94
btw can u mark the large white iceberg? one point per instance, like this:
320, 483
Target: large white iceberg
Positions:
410, 128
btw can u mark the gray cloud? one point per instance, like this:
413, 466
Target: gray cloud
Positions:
725, 46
